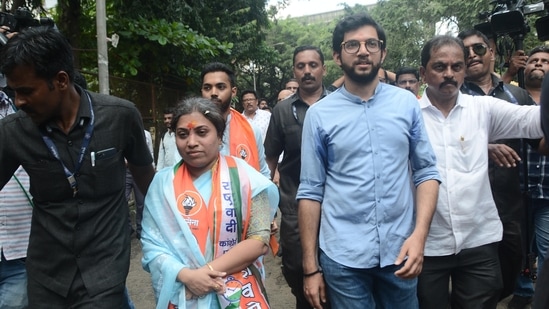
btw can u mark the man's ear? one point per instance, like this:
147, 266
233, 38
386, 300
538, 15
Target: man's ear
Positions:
422, 73
61, 80
337, 58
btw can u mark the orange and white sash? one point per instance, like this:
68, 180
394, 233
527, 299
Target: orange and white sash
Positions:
225, 221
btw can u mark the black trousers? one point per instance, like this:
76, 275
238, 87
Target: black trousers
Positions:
476, 280
510, 256
42, 297
292, 268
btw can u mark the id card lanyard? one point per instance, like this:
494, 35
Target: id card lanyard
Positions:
83, 148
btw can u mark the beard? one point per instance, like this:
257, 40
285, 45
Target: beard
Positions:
362, 79
224, 106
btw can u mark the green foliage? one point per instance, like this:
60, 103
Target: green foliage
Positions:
284, 36
158, 39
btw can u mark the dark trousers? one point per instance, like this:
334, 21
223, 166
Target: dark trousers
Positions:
292, 268
476, 280
139, 203
78, 298
510, 256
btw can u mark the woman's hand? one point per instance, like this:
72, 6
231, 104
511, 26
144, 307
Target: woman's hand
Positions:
201, 281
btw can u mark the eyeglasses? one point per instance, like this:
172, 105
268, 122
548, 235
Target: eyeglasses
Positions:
353, 46
248, 100
407, 81
479, 49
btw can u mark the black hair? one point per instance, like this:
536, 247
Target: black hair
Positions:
406, 70
539, 49
353, 22
168, 110
218, 67
206, 107
302, 48
472, 32
44, 49
80, 80
247, 91
437, 42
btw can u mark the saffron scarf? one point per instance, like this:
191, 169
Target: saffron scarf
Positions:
242, 140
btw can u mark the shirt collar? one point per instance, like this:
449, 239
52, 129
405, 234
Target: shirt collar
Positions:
4, 99
84, 114
473, 89
295, 97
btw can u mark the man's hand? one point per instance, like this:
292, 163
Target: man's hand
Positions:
413, 248
516, 62
315, 290
503, 155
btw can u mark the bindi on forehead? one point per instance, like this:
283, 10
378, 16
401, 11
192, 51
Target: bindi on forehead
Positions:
191, 124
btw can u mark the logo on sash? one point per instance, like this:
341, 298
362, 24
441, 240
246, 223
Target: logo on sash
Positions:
243, 151
189, 203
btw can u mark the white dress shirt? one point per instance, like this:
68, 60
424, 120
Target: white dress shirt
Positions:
261, 120
466, 214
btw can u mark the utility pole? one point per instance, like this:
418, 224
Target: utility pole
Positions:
102, 50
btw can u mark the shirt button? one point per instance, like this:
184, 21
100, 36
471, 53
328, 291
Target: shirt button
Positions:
69, 143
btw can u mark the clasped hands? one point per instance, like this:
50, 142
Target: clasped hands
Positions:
201, 281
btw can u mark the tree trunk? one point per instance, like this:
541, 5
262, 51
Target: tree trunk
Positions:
69, 12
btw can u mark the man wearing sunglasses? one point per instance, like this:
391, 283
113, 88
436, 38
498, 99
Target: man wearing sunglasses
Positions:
504, 178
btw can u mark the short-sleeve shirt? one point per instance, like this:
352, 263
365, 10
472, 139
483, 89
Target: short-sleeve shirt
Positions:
87, 233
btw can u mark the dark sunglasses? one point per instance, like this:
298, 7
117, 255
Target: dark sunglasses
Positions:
479, 49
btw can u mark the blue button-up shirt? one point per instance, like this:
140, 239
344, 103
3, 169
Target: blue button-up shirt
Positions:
361, 160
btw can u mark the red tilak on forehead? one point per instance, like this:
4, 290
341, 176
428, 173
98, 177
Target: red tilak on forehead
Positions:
191, 125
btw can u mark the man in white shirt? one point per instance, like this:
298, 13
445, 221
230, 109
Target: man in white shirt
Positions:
167, 150
462, 244
253, 113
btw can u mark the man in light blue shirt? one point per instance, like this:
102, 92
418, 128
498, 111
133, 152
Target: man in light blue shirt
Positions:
364, 148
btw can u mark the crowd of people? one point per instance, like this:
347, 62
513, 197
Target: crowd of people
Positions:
390, 194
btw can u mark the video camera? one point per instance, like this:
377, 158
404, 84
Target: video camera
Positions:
23, 18
508, 18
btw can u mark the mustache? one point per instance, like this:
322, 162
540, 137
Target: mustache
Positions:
473, 62
308, 77
449, 82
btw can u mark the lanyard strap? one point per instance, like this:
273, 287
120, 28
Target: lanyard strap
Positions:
83, 148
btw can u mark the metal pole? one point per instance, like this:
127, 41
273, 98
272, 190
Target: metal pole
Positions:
102, 50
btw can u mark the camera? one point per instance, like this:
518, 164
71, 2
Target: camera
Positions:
508, 18
23, 18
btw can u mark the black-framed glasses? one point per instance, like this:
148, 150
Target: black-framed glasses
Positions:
479, 49
353, 46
